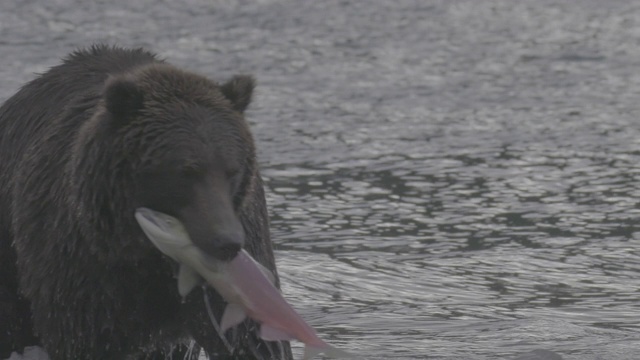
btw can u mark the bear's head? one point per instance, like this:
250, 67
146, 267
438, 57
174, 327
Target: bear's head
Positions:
171, 141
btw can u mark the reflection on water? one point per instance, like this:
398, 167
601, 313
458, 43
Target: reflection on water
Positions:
488, 207
499, 247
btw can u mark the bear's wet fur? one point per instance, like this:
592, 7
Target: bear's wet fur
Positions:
81, 147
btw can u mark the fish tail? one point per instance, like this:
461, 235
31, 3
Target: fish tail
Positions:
310, 351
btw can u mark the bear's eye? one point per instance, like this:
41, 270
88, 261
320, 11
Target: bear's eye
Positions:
235, 179
232, 173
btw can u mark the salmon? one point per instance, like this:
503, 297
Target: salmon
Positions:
247, 286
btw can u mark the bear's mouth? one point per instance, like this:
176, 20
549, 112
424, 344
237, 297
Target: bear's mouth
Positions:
170, 236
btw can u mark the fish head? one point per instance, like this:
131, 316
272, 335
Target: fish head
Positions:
165, 231
169, 235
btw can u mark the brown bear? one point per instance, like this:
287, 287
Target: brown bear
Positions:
81, 147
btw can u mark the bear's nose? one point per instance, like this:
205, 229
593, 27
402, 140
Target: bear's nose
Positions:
227, 252
225, 246
211, 221
222, 244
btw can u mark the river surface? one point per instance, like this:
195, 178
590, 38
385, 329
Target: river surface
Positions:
446, 179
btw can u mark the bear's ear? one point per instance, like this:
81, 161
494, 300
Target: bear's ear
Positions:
239, 90
123, 98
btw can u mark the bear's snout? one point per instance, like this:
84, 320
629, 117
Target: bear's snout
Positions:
218, 235
212, 223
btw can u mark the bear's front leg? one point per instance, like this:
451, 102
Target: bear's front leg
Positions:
180, 352
15, 323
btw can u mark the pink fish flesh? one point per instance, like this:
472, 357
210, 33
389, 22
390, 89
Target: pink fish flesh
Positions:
261, 301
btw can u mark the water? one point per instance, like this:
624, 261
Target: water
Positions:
446, 179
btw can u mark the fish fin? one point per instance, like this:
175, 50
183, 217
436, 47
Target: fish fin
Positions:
187, 280
310, 351
233, 315
269, 333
